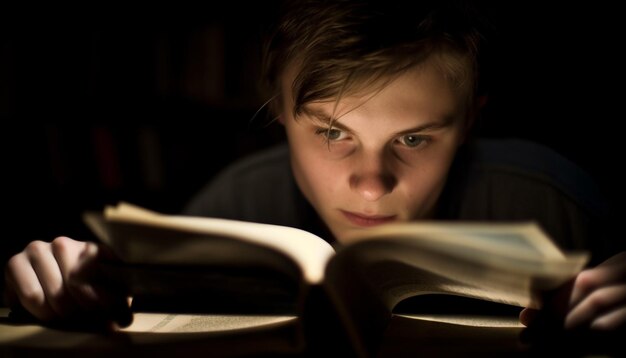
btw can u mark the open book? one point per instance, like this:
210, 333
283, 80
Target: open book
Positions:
239, 266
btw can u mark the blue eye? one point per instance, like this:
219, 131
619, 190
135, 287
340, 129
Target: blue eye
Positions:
331, 134
412, 140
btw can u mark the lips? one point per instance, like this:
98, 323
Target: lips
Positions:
367, 220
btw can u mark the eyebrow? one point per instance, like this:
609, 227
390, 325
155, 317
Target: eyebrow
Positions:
448, 120
318, 114
324, 118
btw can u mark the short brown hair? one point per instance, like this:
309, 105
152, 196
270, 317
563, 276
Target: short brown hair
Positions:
341, 47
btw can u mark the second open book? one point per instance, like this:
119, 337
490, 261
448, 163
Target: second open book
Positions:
276, 266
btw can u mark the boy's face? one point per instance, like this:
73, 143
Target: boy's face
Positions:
387, 155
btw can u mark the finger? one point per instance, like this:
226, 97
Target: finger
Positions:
616, 260
610, 321
610, 271
595, 304
49, 274
23, 280
68, 254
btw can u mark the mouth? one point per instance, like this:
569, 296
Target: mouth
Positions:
367, 220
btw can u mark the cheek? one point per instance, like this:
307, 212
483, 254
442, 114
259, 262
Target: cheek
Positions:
316, 173
427, 180
316, 169
423, 184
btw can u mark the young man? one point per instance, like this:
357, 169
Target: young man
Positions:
377, 100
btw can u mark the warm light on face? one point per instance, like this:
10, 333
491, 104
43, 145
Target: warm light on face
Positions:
386, 156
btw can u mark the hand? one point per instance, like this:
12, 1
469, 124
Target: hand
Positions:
58, 281
595, 299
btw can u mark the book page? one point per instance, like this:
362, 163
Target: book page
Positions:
188, 323
469, 320
310, 252
502, 262
156, 334
519, 240
399, 270
228, 335
437, 336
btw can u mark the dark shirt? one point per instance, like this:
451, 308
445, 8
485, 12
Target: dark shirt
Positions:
490, 180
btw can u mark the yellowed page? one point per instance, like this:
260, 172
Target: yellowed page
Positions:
519, 240
469, 320
192, 323
310, 252
176, 335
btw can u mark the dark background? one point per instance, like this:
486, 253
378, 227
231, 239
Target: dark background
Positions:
145, 106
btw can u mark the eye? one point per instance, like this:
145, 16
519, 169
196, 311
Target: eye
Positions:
331, 134
412, 140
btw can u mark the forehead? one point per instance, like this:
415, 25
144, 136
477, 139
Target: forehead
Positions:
440, 73
422, 91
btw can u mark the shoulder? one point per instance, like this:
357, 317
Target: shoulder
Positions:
535, 165
515, 180
258, 188
269, 162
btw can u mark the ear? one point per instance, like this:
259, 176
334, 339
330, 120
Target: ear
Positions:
281, 120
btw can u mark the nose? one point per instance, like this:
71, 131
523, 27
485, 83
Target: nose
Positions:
372, 177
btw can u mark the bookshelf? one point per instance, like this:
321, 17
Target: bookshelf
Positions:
142, 108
